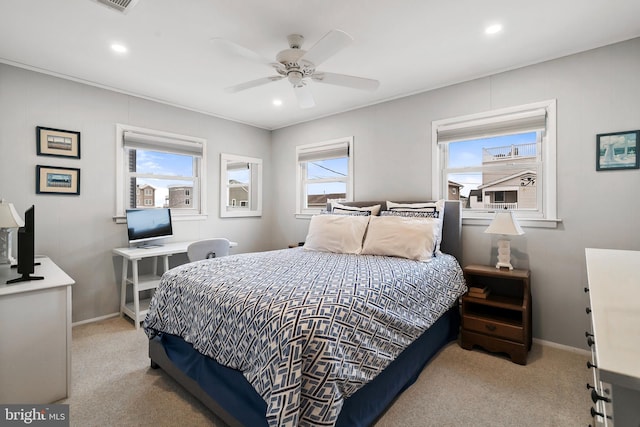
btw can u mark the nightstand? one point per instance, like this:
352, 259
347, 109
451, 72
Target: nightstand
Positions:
500, 321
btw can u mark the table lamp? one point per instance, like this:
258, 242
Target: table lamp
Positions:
505, 224
9, 219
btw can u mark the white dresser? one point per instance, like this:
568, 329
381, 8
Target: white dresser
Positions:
614, 294
35, 335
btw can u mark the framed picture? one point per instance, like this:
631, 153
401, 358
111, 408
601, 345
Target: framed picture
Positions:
57, 180
618, 150
58, 142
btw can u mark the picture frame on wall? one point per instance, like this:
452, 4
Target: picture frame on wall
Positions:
57, 142
617, 150
57, 180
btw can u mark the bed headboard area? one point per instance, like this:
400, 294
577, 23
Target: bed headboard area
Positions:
452, 225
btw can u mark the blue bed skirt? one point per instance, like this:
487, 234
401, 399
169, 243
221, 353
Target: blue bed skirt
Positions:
236, 396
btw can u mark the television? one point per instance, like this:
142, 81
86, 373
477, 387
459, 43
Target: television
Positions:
146, 226
26, 249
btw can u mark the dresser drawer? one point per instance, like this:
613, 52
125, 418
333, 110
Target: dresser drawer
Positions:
493, 327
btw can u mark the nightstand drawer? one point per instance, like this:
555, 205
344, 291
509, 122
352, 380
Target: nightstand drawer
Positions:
493, 327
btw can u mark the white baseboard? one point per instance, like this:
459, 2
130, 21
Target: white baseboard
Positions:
562, 347
95, 319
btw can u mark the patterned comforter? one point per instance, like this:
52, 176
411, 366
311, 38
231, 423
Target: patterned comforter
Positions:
307, 329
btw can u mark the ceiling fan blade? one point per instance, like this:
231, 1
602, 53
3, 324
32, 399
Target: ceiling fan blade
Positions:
238, 50
252, 83
330, 44
305, 97
345, 80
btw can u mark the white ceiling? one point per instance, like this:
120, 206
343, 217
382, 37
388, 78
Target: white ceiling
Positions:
408, 45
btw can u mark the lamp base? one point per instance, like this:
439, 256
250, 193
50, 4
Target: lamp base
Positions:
504, 254
5, 247
504, 265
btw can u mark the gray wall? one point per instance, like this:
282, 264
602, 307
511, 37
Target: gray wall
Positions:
597, 91
78, 232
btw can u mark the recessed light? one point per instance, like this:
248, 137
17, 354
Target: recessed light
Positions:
493, 29
116, 47
277, 102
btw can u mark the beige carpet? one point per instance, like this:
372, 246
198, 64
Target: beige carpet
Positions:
112, 385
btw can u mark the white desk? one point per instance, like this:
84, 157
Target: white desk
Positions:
614, 287
35, 335
137, 309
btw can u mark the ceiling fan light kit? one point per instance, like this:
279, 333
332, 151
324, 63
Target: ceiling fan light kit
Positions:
299, 66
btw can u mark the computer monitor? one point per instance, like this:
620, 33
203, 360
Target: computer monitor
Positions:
26, 249
146, 226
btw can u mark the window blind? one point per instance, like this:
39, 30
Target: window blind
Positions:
324, 152
237, 166
520, 122
143, 141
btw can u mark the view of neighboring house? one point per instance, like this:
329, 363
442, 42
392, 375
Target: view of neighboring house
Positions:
506, 190
238, 194
320, 200
145, 196
180, 196
454, 188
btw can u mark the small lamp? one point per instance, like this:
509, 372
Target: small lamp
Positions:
9, 219
505, 224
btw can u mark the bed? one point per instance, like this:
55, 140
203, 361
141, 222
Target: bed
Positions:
313, 338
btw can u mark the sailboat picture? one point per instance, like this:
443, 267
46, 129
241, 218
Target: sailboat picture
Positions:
617, 150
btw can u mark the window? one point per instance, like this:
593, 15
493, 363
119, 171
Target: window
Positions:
501, 159
240, 186
324, 172
156, 169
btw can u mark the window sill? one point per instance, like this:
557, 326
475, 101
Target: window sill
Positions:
524, 222
174, 218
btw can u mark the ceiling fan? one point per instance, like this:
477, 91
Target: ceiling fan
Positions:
299, 66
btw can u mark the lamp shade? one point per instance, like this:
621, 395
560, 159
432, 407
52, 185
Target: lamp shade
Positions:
504, 223
9, 218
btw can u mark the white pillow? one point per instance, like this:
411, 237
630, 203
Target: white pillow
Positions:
336, 233
412, 238
337, 207
423, 207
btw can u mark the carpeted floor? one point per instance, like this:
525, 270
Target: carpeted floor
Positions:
112, 385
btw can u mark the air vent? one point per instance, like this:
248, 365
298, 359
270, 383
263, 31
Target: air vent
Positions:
120, 5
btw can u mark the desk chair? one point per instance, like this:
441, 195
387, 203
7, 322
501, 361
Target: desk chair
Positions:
208, 248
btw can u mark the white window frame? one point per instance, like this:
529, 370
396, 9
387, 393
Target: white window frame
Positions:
191, 145
230, 208
547, 179
301, 181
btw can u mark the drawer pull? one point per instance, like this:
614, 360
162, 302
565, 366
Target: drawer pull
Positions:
591, 365
587, 334
586, 290
490, 327
589, 386
595, 397
588, 310
590, 341
594, 413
